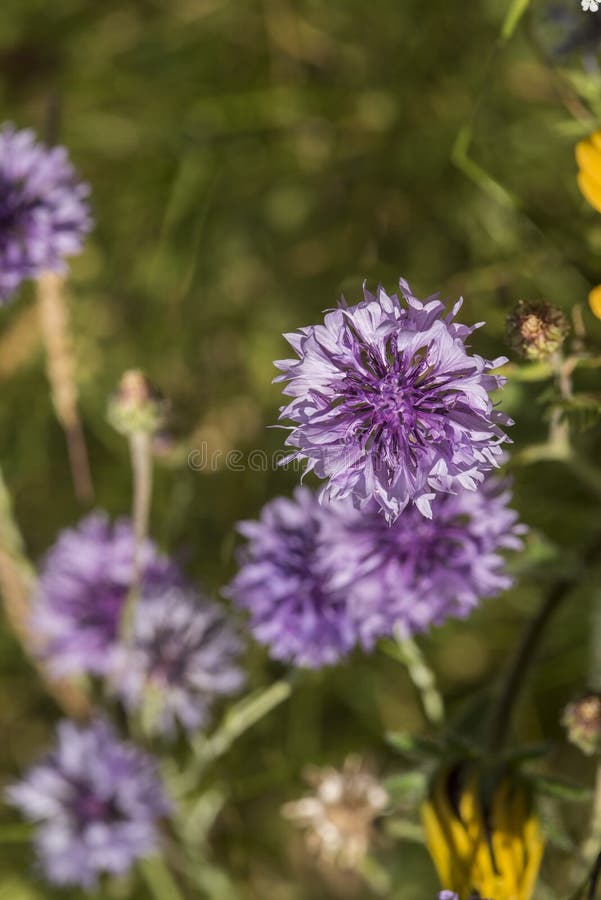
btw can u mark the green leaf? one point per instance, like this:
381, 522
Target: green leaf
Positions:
406, 784
550, 786
413, 746
159, 879
519, 755
512, 19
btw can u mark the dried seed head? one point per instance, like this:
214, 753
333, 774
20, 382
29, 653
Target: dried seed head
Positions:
338, 816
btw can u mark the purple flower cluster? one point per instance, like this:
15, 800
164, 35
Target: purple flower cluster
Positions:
389, 406
295, 581
181, 653
44, 214
321, 578
96, 801
181, 656
85, 580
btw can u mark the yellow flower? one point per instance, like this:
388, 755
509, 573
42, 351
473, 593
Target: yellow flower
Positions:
492, 844
588, 157
594, 301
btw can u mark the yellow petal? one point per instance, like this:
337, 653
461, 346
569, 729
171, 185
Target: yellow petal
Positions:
588, 157
595, 138
594, 299
439, 846
506, 833
535, 847
590, 189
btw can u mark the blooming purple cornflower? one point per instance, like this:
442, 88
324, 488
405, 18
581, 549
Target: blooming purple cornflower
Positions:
96, 801
44, 213
84, 582
388, 405
421, 572
180, 657
295, 577
319, 579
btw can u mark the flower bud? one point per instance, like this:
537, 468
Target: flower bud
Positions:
582, 720
536, 329
137, 406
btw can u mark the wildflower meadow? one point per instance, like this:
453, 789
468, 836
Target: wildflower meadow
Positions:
300, 454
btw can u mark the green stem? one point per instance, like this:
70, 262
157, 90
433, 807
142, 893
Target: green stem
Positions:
503, 710
592, 844
140, 446
17, 586
159, 879
408, 652
239, 718
141, 461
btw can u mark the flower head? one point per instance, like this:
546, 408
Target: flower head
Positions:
96, 801
84, 583
594, 300
420, 572
588, 158
319, 579
338, 816
582, 720
181, 656
295, 577
44, 214
388, 405
483, 836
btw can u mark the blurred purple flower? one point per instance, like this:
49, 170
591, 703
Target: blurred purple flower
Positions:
96, 801
84, 583
388, 405
44, 214
421, 572
320, 579
180, 658
294, 580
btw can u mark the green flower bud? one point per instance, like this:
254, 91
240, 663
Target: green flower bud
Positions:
536, 329
137, 406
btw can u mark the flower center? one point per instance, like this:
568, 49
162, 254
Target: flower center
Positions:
13, 207
89, 808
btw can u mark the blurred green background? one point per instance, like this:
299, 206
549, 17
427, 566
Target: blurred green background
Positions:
249, 161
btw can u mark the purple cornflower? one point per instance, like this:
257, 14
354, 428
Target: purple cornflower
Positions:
421, 572
84, 583
44, 213
295, 577
388, 404
96, 801
179, 659
320, 579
